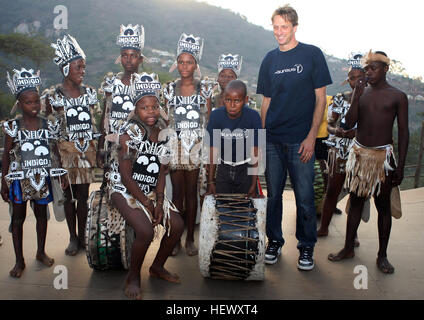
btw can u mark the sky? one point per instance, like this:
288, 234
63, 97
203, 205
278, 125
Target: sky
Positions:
341, 27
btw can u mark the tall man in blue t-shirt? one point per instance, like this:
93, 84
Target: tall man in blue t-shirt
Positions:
293, 80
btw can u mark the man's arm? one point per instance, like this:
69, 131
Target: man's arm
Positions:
264, 109
403, 138
307, 147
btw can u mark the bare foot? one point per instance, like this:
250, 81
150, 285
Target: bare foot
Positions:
1, 240
343, 254
72, 248
45, 259
162, 273
384, 265
133, 288
191, 249
17, 270
176, 249
322, 232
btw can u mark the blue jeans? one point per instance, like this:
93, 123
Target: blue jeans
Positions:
280, 158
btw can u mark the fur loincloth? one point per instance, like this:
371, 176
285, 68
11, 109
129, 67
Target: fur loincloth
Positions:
79, 166
336, 165
139, 136
116, 221
183, 160
366, 169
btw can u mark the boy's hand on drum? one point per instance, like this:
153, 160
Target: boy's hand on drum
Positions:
252, 192
158, 214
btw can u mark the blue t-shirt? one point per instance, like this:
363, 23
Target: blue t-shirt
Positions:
290, 78
240, 133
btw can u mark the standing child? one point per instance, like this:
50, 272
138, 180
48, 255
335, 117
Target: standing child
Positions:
137, 182
236, 145
116, 88
229, 67
27, 165
340, 142
371, 168
188, 104
73, 104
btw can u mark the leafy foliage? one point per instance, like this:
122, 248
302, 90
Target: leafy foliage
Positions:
19, 46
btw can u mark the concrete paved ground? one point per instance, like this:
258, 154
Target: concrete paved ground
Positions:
283, 280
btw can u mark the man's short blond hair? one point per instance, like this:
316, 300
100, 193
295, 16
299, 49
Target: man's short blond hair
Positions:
287, 13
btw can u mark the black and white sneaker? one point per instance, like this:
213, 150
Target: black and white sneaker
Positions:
306, 261
272, 252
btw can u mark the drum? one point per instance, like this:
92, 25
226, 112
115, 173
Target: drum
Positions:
127, 238
102, 250
232, 237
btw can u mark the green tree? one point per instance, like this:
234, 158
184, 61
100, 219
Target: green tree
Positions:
18, 47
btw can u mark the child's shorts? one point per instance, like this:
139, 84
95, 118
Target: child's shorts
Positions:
15, 193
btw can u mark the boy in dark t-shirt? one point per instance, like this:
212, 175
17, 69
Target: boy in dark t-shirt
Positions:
233, 133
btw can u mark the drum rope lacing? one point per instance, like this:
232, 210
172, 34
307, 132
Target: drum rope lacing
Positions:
235, 267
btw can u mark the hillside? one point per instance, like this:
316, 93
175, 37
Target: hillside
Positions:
95, 24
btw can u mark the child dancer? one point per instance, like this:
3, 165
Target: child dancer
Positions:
73, 104
137, 182
116, 87
29, 160
340, 142
188, 104
229, 68
371, 168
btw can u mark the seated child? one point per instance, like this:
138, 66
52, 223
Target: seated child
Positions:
28, 157
137, 182
236, 145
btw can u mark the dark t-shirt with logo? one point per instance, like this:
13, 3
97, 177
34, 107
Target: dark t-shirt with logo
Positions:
240, 133
290, 78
